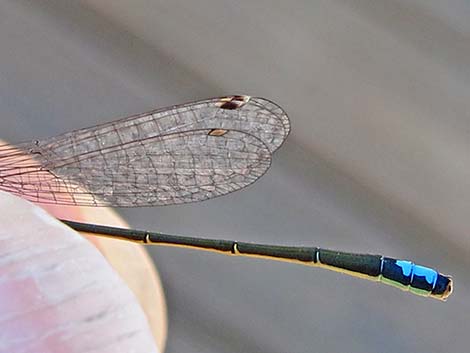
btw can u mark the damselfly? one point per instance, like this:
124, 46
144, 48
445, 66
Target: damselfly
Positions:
184, 153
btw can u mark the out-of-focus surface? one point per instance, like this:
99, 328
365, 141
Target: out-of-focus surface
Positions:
378, 95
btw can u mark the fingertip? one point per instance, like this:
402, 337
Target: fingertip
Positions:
57, 292
131, 261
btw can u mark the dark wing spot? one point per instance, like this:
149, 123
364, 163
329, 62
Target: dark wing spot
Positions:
217, 132
233, 102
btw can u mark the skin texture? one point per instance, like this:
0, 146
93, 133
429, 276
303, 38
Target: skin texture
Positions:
62, 292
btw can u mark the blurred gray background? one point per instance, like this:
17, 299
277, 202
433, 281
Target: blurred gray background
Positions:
378, 160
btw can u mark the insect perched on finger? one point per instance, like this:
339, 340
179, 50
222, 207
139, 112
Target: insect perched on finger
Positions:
180, 154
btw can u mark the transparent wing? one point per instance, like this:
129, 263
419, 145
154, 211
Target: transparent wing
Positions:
255, 116
181, 154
